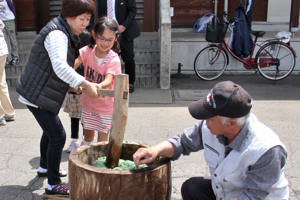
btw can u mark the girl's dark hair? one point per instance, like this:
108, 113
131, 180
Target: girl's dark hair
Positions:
73, 8
99, 27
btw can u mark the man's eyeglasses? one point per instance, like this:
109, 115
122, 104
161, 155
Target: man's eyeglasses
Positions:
102, 39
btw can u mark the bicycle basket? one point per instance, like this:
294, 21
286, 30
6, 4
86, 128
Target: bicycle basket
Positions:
201, 24
215, 32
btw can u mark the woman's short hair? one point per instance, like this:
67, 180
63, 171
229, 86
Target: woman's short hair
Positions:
73, 8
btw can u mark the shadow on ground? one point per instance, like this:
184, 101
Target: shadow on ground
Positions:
13, 192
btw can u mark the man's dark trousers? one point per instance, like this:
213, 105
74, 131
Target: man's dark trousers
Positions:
128, 57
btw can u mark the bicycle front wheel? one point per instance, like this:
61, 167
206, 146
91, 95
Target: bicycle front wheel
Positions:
210, 63
275, 61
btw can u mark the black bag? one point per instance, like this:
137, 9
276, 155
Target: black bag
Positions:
215, 32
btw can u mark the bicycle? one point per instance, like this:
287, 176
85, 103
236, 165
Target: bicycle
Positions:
274, 60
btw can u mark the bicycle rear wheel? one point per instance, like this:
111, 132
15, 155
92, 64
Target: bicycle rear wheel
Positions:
275, 61
210, 63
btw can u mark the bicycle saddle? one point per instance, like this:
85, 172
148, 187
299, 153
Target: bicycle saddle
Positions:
258, 33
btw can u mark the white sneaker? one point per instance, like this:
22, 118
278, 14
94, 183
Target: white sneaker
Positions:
2, 121
85, 143
73, 145
12, 118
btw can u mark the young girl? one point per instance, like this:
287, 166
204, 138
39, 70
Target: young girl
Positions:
101, 64
73, 100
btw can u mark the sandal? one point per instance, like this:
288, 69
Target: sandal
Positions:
58, 189
62, 173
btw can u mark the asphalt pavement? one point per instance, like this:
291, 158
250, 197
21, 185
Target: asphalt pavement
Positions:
154, 115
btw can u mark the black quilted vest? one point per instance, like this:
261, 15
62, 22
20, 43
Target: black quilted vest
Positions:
38, 83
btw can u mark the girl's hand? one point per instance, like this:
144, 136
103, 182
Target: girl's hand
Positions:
99, 86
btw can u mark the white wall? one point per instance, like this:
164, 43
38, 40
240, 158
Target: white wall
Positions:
278, 10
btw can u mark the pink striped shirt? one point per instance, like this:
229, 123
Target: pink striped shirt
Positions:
96, 73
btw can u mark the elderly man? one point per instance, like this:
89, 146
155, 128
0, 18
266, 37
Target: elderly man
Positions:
246, 158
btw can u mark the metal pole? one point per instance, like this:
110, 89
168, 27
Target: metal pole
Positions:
294, 16
216, 10
179, 68
226, 6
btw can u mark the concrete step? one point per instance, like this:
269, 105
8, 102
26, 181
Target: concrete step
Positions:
13, 71
25, 41
145, 76
146, 48
142, 56
146, 44
146, 56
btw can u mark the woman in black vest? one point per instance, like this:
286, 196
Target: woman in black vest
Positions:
46, 79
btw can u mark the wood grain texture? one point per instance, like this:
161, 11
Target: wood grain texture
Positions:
88, 182
119, 119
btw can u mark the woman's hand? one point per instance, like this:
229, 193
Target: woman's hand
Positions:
77, 91
91, 88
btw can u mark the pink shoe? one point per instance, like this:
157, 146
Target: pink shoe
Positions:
73, 145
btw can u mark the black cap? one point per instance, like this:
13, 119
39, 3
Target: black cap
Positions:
226, 99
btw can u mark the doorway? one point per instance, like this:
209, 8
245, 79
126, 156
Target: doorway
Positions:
147, 15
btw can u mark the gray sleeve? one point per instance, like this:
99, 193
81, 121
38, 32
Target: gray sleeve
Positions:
188, 141
264, 173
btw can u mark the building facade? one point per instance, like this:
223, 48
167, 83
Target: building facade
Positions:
32, 15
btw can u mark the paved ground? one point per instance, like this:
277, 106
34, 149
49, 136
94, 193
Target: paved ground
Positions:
154, 115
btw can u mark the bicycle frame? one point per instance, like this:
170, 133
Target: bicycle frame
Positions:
249, 63
275, 60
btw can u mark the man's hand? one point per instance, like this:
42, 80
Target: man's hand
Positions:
121, 29
148, 155
144, 156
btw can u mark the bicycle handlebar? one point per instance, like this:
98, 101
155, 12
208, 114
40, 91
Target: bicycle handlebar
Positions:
234, 19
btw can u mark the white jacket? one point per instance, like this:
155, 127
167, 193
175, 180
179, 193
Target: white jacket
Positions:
229, 173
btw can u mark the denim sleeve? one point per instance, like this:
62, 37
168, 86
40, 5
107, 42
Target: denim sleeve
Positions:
188, 141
